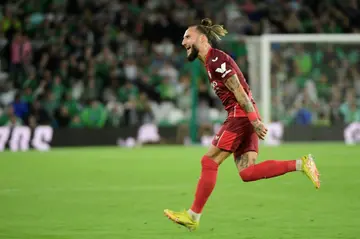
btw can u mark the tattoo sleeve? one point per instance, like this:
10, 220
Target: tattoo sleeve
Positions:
233, 84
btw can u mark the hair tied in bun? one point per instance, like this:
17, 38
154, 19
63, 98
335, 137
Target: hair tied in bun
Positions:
206, 22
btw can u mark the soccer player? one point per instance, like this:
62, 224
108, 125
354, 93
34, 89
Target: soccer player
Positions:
239, 133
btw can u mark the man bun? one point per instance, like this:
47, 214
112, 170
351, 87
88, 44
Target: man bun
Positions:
206, 22
212, 32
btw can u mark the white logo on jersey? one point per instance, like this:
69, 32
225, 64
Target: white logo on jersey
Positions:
223, 70
209, 74
214, 85
215, 59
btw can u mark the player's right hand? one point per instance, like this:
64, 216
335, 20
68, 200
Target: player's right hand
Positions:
260, 129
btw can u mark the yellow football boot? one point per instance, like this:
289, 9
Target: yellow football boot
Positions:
310, 170
182, 218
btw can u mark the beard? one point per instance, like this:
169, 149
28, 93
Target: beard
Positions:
193, 54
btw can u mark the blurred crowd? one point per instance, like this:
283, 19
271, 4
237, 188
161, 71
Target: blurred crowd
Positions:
316, 84
109, 63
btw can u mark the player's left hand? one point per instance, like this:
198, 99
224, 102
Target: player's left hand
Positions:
260, 129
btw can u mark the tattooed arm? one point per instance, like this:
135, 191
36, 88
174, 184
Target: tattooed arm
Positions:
233, 84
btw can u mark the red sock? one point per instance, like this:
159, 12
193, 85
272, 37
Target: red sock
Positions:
206, 183
267, 169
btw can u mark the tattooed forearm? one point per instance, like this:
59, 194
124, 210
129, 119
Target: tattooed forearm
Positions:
246, 104
233, 84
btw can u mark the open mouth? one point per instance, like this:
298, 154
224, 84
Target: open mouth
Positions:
188, 48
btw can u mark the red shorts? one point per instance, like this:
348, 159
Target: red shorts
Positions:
237, 135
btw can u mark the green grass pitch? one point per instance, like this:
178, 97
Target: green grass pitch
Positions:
114, 193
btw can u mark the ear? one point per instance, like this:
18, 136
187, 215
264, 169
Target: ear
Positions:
203, 38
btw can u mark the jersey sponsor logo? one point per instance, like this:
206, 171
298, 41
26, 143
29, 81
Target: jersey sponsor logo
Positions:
223, 70
214, 85
20, 138
215, 59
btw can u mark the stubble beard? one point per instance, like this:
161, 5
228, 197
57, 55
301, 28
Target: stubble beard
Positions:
193, 54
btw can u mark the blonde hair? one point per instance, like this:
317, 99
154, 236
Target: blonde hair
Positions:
212, 32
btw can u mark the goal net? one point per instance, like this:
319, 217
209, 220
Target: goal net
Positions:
316, 72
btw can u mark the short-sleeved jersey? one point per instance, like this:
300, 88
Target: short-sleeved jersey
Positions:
220, 67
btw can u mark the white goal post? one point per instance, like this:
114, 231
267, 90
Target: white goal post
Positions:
259, 59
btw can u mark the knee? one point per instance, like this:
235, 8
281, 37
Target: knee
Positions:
208, 163
210, 154
210, 157
217, 155
217, 158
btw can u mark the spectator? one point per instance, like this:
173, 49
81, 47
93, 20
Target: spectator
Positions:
16, 59
94, 115
76, 122
63, 117
128, 91
39, 114
31, 81
303, 117
335, 116
26, 54
349, 109
72, 105
143, 109
115, 116
20, 107
91, 90
10, 118
166, 90
323, 120
58, 88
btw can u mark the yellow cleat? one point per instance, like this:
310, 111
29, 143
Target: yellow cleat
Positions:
182, 218
310, 169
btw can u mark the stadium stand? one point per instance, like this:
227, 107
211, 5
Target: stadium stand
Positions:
112, 63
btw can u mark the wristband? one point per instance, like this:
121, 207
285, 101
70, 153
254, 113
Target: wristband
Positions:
252, 116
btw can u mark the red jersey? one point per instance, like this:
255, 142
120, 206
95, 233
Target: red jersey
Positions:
220, 67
